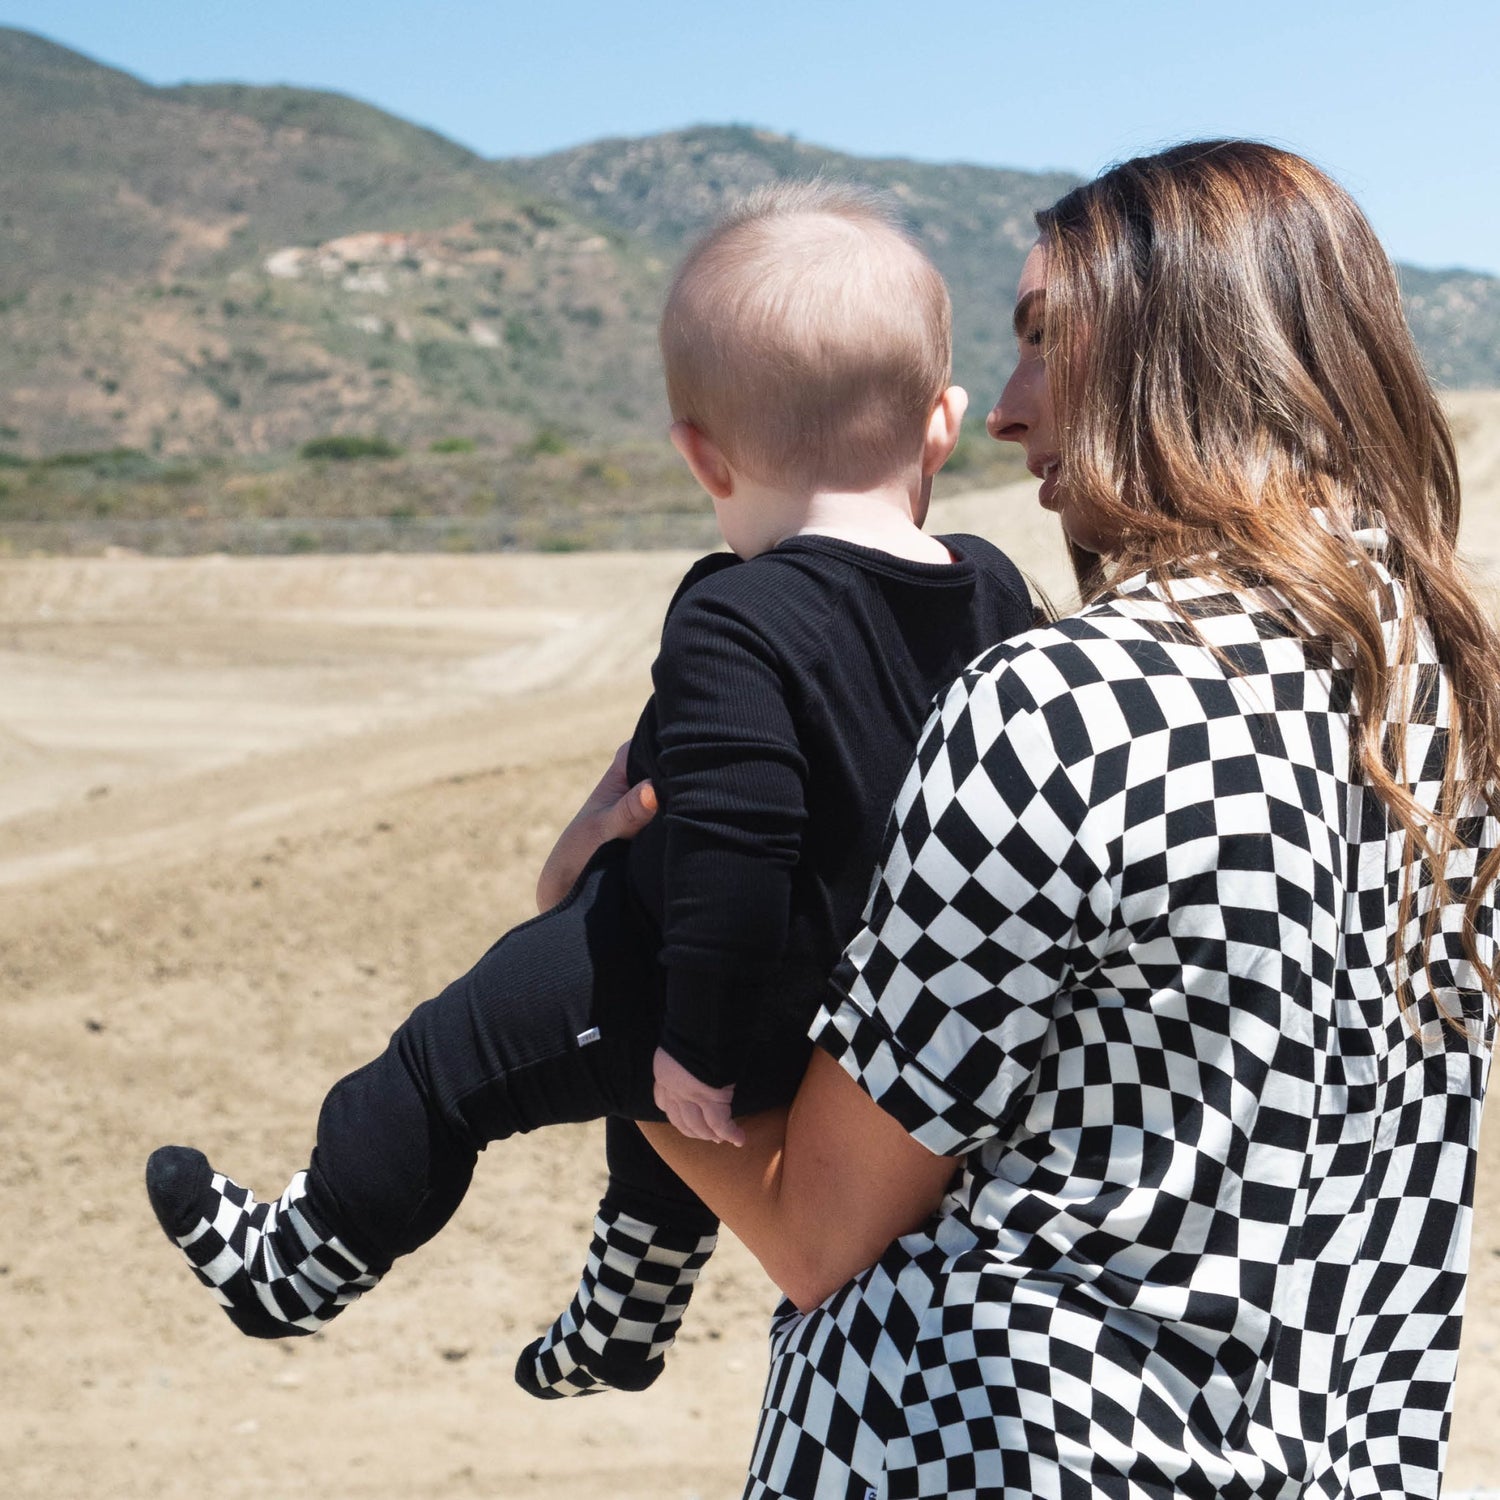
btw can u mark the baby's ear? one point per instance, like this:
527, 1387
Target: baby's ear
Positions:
943, 427
704, 458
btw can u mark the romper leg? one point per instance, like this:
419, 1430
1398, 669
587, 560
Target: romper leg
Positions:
548, 1027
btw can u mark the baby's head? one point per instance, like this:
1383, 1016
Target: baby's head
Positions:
809, 338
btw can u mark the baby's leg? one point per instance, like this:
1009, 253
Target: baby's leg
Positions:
652, 1237
537, 1033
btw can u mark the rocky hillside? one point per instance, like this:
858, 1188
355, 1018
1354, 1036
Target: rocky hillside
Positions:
235, 270
239, 269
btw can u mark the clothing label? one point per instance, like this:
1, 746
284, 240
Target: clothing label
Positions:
591, 1035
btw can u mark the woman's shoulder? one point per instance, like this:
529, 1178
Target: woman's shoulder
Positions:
1141, 639
1069, 651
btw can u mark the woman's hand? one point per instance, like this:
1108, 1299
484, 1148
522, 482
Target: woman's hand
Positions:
699, 1112
613, 810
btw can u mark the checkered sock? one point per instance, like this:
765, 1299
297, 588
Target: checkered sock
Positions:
625, 1314
274, 1271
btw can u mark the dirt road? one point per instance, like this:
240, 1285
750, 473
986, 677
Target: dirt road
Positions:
249, 812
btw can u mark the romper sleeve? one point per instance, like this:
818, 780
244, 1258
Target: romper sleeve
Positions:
732, 781
987, 896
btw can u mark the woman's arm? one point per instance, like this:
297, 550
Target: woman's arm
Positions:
613, 810
818, 1191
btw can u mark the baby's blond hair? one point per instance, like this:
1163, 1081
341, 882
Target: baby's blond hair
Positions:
809, 338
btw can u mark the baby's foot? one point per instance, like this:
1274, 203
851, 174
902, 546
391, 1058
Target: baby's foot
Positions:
276, 1274
558, 1364
625, 1314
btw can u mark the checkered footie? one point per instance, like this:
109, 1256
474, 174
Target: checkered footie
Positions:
625, 1314
274, 1271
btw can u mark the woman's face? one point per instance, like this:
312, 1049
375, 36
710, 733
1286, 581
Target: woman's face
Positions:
1024, 414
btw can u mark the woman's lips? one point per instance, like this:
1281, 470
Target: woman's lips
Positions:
1047, 494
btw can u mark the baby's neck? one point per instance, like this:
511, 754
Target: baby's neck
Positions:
878, 519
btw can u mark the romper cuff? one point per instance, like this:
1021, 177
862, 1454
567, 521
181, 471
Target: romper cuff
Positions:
705, 1027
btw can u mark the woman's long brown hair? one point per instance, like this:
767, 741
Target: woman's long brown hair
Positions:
1236, 384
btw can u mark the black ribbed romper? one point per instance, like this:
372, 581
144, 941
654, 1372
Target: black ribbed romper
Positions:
789, 692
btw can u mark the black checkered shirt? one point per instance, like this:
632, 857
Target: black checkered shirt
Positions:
1129, 955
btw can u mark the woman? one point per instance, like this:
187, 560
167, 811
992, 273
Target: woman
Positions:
1145, 1111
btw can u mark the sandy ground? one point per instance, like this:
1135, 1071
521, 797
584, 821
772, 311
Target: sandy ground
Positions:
251, 811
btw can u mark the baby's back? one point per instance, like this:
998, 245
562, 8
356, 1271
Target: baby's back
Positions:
790, 693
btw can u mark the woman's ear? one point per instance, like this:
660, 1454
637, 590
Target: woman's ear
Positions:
704, 458
943, 427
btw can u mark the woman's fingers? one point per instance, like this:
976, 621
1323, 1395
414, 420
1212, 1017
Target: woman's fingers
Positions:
626, 817
613, 810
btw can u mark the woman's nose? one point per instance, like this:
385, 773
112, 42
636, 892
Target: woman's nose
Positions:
1005, 423
1023, 412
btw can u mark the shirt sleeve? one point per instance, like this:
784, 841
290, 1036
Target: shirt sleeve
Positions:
985, 899
733, 781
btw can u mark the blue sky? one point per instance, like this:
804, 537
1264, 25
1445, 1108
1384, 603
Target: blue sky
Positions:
1401, 104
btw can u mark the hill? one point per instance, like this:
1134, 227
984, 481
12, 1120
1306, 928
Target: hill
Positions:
976, 221
1455, 316
143, 301
232, 270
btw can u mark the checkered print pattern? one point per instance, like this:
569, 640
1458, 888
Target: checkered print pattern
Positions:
1130, 955
266, 1263
626, 1312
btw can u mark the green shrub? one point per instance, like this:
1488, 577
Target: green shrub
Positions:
451, 445
518, 334
547, 440
439, 358
610, 475
114, 461
346, 446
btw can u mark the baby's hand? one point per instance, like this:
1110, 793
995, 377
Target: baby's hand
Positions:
694, 1108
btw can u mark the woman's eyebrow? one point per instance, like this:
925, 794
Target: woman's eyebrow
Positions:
1027, 307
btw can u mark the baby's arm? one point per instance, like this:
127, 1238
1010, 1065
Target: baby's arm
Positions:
732, 778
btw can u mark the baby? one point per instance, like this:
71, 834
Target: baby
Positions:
806, 342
